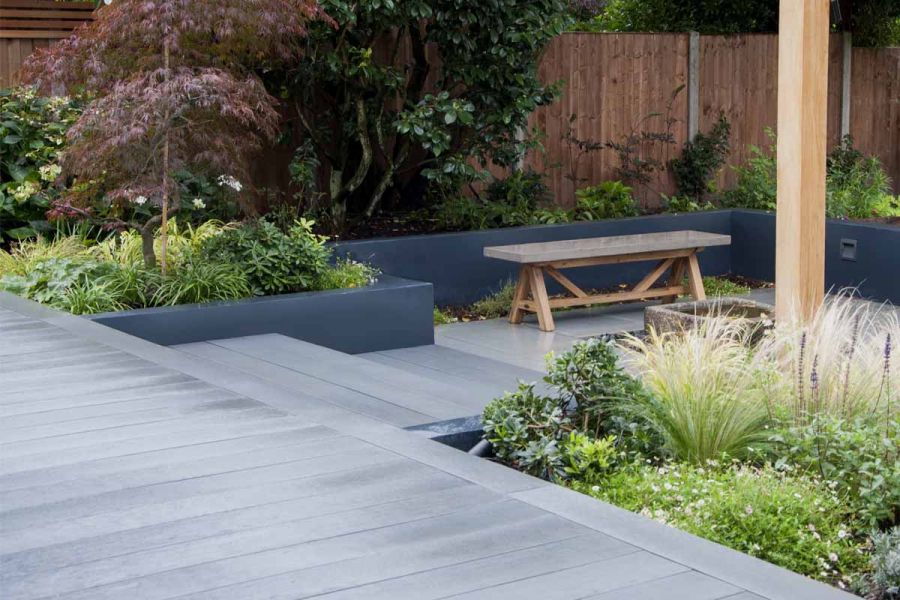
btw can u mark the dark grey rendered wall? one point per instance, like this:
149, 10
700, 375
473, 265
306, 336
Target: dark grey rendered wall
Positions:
456, 265
875, 272
393, 313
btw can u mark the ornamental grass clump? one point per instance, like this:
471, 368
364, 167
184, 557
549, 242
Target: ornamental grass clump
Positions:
840, 363
707, 391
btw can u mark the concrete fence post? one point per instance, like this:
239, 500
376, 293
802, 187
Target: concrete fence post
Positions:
846, 75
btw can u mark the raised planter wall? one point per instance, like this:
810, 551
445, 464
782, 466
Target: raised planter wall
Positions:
875, 272
461, 274
393, 313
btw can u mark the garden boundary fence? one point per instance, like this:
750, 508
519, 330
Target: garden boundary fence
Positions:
611, 82
26, 25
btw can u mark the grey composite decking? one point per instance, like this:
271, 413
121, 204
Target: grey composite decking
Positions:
129, 470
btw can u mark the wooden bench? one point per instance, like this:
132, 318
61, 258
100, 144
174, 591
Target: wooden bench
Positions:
675, 251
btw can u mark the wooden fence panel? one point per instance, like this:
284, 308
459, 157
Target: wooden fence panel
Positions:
26, 25
611, 83
875, 106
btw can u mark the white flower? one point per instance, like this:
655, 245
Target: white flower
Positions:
748, 509
842, 534
50, 172
140, 200
230, 182
25, 191
198, 203
595, 488
833, 557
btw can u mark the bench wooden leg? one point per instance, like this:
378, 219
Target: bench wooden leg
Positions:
523, 286
541, 300
677, 276
695, 280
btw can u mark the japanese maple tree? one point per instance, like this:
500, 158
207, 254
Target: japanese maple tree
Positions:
174, 86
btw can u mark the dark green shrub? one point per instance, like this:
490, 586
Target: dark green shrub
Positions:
857, 185
526, 429
274, 261
594, 389
32, 134
48, 281
608, 200
861, 458
684, 204
521, 188
700, 159
756, 181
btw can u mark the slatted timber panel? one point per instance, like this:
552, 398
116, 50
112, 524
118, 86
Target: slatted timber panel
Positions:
610, 82
26, 25
739, 76
875, 106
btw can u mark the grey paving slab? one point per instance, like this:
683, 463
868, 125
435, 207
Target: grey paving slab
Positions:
389, 411
384, 383
689, 585
173, 474
478, 573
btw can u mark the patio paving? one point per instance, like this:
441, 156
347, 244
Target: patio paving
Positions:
130, 470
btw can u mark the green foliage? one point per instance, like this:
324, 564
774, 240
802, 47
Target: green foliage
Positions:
705, 16
685, 204
519, 199
857, 185
47, 281
418, 88
701, 159
883, 580
588, 459
608, 200
590, 382
860, 458
789, 520
197, 281
721, 286
442, 318
521, 188
756, 181
875, 22
111, 275
32, 134
90, 297
346, 273
275, 261
526, 429
496, 304
707, 396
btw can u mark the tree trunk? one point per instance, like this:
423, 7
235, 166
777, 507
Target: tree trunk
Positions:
164, 222
147, 239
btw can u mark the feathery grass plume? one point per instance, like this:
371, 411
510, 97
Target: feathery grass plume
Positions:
847, 340
707, 390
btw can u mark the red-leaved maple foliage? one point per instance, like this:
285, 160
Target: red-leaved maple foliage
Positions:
174, 88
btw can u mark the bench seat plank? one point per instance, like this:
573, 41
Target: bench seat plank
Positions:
615, 245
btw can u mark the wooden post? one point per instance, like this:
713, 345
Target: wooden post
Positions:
693, 85
802, 102
846, 76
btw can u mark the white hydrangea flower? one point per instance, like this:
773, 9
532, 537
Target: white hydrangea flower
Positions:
25, 191
49, 172
140, 200
198, 203
230, 181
